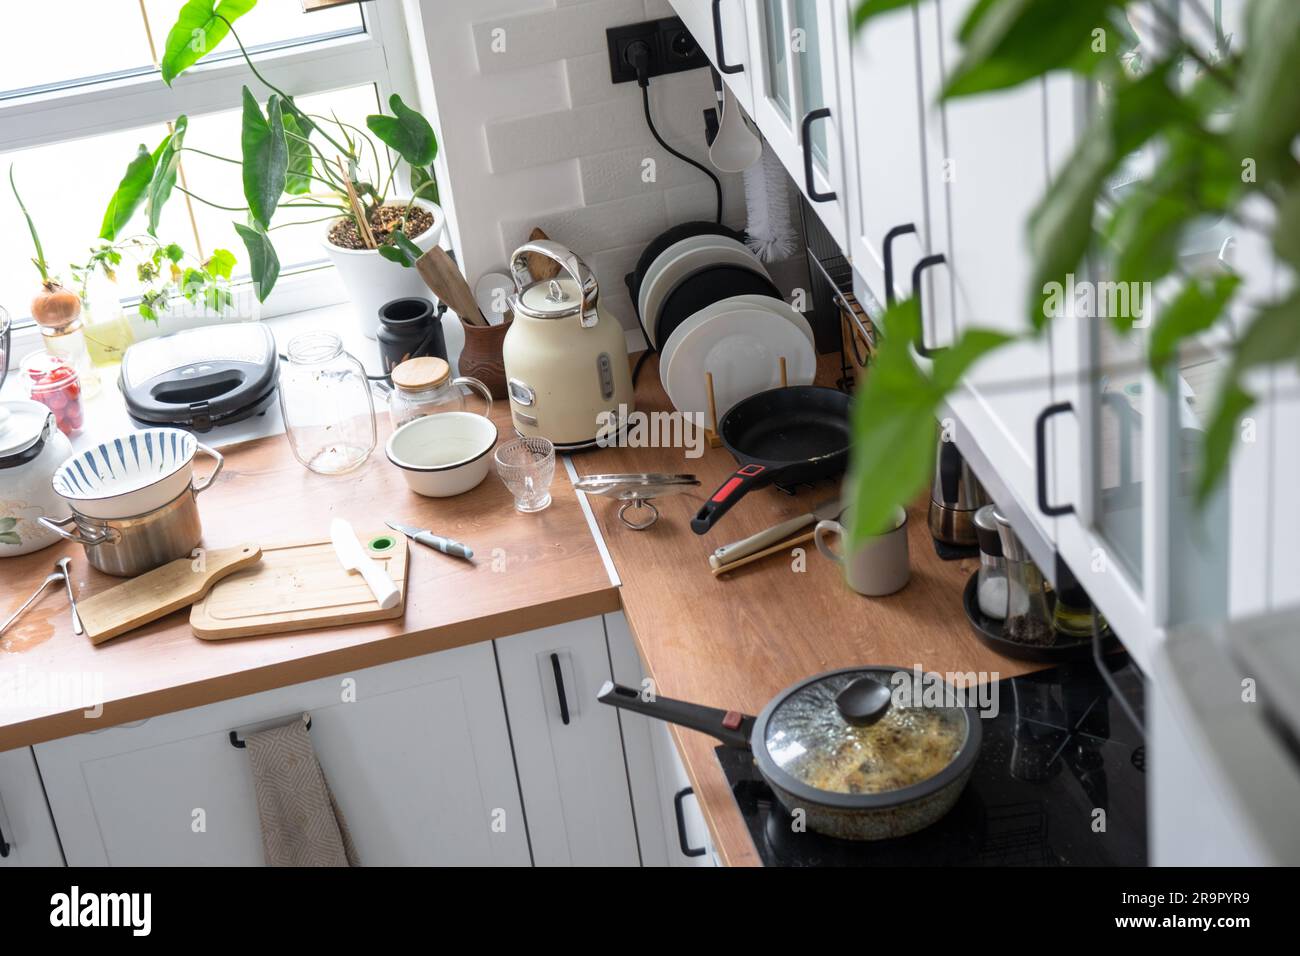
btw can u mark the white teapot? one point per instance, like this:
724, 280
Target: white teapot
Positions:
31, 449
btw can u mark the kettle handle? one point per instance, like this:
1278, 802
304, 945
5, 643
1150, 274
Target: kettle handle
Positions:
567, 260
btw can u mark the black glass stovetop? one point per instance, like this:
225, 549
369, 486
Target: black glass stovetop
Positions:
1060, 781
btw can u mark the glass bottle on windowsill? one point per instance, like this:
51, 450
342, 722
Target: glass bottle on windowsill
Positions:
107, 330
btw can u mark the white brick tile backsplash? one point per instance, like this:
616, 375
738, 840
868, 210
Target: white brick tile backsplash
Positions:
607, 176
571, 29
562, 134
588, 230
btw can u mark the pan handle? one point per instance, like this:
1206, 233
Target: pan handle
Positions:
729, 726
745, 479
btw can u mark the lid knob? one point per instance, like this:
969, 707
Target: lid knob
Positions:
863, 701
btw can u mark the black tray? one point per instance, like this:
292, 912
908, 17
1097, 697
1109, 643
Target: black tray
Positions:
991, 632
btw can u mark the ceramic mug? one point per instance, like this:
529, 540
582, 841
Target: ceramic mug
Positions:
879, 565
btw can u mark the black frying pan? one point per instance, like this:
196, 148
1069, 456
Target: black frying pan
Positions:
795, 434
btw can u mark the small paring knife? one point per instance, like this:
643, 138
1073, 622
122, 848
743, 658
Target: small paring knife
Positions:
353, 557
436, 541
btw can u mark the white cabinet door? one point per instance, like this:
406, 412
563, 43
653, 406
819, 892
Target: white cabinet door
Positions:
417, 754
567, 746
670, 828
886, 181
27, 836
986, 169
794, 46
719, 27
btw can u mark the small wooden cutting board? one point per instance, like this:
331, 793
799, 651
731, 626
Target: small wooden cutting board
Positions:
155, 593
299, 585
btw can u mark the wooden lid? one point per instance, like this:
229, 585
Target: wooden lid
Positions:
417, 374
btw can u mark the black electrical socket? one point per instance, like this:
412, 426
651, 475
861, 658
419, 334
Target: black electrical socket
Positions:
672, 48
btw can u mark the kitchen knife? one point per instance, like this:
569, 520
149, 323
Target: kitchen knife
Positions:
779, 532
437, 541
354, 558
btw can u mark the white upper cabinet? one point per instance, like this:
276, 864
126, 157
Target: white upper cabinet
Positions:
985, 169
888, 226
795, 48
719, 27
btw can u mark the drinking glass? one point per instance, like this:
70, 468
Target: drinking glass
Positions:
527, 465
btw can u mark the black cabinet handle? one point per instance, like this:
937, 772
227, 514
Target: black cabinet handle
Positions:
1040, 459
917, 273
814, 116
723, 65
4, 844
903, 230
687, 849
559, 689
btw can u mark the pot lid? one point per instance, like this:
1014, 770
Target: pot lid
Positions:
557, 298
814, 736
417, 374
22, 422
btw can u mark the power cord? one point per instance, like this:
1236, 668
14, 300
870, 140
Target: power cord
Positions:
638, 55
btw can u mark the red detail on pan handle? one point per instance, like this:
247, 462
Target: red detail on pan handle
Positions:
749, 471
731, 720
722, 493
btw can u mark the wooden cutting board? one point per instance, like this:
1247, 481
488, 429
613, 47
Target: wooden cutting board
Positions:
155, 593
298, 585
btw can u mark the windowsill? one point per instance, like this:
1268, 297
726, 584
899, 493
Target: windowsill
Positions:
105, 413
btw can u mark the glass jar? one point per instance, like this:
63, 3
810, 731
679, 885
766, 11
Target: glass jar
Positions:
107, 330
329, 415
53, 381
991, 586
424, 386
1072, 616
1029, 597
69, 344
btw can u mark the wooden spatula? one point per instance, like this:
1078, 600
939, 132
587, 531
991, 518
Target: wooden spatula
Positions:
169, 588
540, 266
447, 282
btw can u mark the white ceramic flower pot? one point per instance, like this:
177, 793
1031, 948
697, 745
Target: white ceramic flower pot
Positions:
371, 280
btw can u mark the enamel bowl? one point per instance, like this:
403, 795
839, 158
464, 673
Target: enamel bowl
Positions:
444, 454
132, 474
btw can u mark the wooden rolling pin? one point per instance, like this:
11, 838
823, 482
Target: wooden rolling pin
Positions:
447, 282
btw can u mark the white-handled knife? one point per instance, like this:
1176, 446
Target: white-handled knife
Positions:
353, 557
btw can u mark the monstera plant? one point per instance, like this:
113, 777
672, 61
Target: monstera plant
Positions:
1222, 124
292, 159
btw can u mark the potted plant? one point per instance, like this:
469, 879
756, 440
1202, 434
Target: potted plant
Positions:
54, 307
292, 159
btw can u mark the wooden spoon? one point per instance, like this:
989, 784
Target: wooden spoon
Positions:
447, 282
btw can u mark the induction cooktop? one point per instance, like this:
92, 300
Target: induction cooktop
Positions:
1060, 781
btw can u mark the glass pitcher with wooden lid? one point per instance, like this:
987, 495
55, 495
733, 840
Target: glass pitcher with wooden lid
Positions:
424, 386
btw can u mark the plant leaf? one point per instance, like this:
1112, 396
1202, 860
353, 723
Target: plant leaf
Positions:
1274, 336
1234, 401
870, 9
424, 183
1267, 120
197, 31
1007, 43
1193, 310
298, 172
266, 157
1286, 234
263, 262
129, 194
406, 132
221, 263
167, 160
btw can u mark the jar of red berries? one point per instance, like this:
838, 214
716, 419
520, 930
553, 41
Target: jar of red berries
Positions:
53, 381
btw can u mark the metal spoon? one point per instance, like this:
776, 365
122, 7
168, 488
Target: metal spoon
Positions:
63, 565
53, 578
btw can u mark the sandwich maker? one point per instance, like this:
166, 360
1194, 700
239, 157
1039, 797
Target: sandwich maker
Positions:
201, 378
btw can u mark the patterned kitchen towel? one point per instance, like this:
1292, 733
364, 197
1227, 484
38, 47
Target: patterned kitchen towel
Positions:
302, 825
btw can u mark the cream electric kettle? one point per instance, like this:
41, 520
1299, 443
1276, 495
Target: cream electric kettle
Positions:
566, 363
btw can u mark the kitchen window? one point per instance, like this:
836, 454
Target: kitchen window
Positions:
70, 125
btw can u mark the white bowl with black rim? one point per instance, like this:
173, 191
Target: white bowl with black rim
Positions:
132, 474
444, 454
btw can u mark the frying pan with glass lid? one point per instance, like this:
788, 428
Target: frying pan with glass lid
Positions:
863, 752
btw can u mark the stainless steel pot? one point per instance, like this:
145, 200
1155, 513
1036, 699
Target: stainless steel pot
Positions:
830, 751
125, 547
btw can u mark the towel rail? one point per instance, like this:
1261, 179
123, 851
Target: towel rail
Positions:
242, 744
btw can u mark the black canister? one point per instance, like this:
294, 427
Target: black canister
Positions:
409, 328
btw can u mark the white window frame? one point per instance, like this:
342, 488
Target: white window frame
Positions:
379, 56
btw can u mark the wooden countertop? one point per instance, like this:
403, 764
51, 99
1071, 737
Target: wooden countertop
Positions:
530, 571
736, 641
